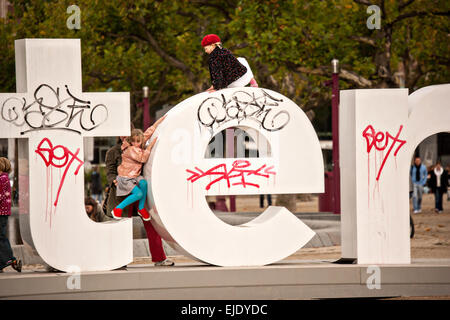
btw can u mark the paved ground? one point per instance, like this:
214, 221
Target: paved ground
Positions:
430, 245
431, 240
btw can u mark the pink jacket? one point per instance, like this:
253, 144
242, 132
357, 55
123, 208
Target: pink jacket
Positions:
5, 195
134, 157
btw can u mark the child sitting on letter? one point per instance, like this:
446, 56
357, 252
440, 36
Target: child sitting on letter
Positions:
226, 71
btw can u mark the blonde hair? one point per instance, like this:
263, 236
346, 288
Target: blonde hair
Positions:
136, 133
216, 44
5, 165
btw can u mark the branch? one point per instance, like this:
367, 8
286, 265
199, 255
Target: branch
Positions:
239, 46
219, 7
364, 2
231, 3
137, 115
186, 14
161, 87
383, 10
103, 78
150, 39
321, 71
365, 40
128, 36
412, 82
165, 56
441, 60
355, 78
413, 14
405, 4
343, 74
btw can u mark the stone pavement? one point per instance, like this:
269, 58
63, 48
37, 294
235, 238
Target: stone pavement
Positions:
326, 225
293, 279
286, 279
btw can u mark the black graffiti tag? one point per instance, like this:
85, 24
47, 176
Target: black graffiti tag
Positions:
54, 113
242, 106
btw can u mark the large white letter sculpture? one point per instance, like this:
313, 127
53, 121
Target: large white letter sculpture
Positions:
181, 177
53, 113
379, 131
378, 136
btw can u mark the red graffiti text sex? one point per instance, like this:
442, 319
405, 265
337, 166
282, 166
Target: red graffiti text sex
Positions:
50, 153
382, 141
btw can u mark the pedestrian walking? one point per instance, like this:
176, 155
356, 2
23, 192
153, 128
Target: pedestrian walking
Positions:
438, 185
6, 255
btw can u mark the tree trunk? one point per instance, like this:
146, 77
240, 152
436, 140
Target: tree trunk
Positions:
383, 60
287, 200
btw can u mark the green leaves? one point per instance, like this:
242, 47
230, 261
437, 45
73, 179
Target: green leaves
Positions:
289, 44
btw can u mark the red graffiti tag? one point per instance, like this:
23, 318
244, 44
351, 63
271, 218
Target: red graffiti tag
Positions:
376, 139
67, 159
239, 170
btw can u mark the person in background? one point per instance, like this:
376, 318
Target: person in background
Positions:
113, 160
261, 200
94, 211
411, 187
6, 254
438, 185
96, 185
419, 175
448, 182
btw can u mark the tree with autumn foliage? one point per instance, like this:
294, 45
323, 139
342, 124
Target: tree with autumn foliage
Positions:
289, 44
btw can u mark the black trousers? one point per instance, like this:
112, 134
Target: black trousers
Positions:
6, 254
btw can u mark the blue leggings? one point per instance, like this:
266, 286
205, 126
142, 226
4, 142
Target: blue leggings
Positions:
139, 193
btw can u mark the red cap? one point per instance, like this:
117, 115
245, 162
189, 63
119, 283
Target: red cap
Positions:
210, 39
